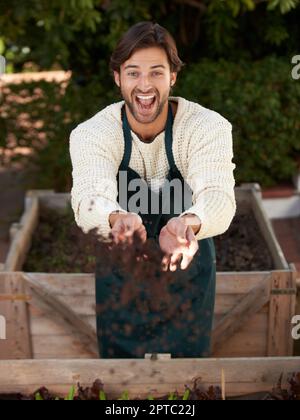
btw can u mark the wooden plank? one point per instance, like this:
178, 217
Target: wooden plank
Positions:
282, 310
82, 305
23, 237
78, 290
258, 323
225, 303
265, 225
40, 294
60, 347
15, 311
243, 344
48, 336
67, 284
44, 326
230, 283
57, 339
249, 341
243, 197
54, 201
241, 313
241, 283
243, 376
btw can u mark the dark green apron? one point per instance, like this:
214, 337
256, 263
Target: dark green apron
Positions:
122, 331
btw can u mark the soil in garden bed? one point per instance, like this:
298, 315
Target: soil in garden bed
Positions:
195, 393
243, 247
60, 246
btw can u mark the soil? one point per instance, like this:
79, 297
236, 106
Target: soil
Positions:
242, 247
60, 246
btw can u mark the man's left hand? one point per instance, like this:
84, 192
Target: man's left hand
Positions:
178, 242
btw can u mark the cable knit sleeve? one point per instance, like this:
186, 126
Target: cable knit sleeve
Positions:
94, 191
210, 175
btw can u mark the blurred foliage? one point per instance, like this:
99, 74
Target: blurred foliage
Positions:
226, 44
41, 115
262, 101
80, 34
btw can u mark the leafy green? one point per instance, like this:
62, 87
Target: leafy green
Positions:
71, 394
102, 396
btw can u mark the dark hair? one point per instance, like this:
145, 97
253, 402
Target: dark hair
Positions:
145, 35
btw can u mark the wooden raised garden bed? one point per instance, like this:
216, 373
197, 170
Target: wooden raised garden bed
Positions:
52, 316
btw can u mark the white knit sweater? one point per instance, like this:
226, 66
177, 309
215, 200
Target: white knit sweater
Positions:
203, 152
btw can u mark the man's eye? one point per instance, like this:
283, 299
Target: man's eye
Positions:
132, 74
156, 73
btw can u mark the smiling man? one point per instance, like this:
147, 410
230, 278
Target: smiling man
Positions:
152, 136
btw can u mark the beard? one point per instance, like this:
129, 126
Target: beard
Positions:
158, 106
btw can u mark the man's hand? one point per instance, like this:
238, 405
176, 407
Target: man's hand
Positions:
124, 226
177, 240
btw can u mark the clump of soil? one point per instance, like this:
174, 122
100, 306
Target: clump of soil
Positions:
197, 393
59, 245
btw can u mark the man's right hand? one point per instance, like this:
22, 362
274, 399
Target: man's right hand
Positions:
124, 226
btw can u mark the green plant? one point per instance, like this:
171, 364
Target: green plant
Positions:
186, 395
71, 394
38, 397
124, 396
102, 396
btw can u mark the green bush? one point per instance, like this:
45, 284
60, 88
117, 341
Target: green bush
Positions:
261, 100
41, 115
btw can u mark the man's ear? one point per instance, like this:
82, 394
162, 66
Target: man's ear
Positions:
117, 78
173, 79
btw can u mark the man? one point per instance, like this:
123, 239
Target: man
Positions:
152, 136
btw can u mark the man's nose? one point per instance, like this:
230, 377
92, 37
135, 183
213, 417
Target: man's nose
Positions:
144, 84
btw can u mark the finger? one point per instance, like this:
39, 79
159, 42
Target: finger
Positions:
119, 235
193, 243
165, 263
142, 233
127, 232
186, 260
175, 261
136, 221
118, 228
115, 235
128, 229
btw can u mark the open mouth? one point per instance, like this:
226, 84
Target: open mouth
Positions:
145, 103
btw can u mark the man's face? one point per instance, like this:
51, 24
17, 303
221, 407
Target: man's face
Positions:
145, 81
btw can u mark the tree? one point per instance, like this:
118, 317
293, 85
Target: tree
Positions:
80, 34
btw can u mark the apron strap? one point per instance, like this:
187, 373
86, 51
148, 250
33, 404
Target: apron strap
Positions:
169, 140
128, 142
